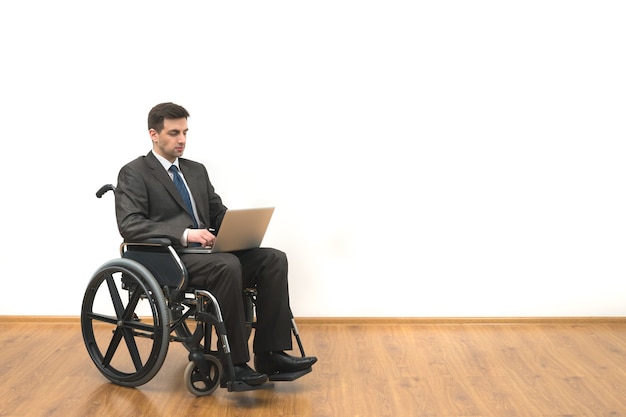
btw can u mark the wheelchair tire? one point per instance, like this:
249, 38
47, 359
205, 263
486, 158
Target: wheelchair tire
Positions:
124, 320
198, 385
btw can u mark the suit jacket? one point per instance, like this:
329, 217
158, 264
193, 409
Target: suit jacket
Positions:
147, 204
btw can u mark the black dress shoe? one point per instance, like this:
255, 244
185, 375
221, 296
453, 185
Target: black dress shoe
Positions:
247, 375
279, 362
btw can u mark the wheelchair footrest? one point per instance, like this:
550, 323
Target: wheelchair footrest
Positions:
289, 376
239, 386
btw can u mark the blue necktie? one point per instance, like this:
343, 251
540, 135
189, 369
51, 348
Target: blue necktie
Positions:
182, 189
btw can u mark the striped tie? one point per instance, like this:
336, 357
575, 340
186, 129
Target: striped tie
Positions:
182, 189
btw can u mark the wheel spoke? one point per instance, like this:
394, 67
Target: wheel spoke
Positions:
132, 348
128, 314
115, 296
100, 317
115, 342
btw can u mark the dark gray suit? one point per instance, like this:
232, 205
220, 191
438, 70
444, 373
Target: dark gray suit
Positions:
148, 205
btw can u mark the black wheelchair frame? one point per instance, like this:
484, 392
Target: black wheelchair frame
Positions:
135, 305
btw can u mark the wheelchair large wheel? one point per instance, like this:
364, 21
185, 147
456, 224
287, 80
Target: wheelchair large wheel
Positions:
124, 321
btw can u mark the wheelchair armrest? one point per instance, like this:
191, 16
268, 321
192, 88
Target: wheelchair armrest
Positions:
155, 241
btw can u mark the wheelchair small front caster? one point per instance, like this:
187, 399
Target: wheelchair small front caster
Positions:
201, 382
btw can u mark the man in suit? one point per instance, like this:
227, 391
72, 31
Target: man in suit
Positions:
164, 195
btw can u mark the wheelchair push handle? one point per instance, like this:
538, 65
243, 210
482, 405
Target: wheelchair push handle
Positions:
104, 189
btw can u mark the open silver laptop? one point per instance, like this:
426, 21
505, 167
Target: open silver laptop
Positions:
240, 229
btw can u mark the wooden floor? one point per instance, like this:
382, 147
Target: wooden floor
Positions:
366, 368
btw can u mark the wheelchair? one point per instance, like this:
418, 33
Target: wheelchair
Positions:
134, 306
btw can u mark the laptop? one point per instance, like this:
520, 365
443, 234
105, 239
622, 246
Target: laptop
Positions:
240, 229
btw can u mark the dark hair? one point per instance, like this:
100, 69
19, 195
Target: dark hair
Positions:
165, 111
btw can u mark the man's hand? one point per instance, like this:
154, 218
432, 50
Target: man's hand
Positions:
201, 236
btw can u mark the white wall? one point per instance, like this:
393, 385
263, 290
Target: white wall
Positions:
455, 158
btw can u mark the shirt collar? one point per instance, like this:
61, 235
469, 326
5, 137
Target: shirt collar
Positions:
166, 164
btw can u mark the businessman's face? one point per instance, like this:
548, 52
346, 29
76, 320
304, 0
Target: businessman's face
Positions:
170, 142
